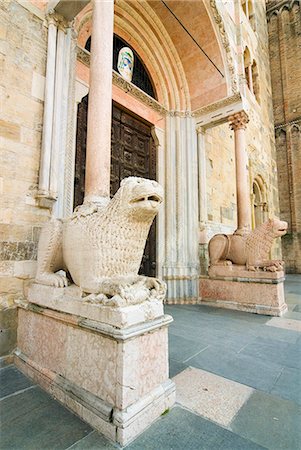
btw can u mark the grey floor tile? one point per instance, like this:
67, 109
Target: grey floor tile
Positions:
180, 430
49, 426
288, 385
12, 380
176, 367
270, 421
279, 352
297, 308
19, 405
278, 334
244, 369
181, 348
94, 441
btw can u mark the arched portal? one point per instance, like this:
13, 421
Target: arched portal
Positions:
184, 80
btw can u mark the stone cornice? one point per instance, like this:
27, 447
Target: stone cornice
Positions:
130, 88
288, 124
227, 101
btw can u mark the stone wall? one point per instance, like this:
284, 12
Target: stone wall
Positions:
284, 25
23, 56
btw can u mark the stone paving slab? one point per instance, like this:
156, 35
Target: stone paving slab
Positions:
288, 385
211, 396
176, 367
281, 322
183, 430
32, 420
11, 380
93, 441
278, 352
269, 421
245, 369
181, 349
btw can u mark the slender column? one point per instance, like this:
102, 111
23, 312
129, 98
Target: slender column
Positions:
238, 123
202, 185
48, 108
98, 156
57, 111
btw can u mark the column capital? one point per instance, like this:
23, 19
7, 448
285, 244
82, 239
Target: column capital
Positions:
239, 121
201, 130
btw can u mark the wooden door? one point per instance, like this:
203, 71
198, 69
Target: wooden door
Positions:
133, 153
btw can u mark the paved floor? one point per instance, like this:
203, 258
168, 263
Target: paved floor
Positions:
238, 379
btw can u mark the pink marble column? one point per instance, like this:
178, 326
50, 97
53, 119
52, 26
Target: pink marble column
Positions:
98, 156
238, 123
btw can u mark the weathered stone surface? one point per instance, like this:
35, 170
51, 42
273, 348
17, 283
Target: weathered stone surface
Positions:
8, 334
118, 383
18, 251
259, 293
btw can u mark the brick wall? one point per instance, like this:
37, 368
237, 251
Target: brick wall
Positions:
284, 26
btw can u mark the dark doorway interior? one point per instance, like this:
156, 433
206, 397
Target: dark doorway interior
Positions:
133, 154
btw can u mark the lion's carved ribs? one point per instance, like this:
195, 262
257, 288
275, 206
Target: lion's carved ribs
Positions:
250, 250
101, 247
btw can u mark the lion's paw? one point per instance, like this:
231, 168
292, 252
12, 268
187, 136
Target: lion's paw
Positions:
52, 279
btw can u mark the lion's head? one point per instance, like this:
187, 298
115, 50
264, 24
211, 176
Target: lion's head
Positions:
279, 227
141, 197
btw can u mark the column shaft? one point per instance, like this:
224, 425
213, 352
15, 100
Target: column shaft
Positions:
98, 157
202, 186
238, 124
48, 109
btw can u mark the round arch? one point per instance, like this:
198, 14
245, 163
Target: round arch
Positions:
259, 201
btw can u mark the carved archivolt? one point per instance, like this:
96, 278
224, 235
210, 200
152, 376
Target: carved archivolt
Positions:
226, 44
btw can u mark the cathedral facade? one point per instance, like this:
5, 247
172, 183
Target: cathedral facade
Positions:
190, 105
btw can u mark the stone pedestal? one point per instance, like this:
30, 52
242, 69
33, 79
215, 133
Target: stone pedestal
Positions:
109, 365
234, 287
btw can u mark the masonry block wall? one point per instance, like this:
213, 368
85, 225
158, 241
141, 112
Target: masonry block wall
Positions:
284, 26
23, 40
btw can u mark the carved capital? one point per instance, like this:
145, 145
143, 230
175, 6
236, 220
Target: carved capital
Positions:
51, 18
239, 121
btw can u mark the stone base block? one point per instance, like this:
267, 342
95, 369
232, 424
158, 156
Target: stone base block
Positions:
114, 378
239, 289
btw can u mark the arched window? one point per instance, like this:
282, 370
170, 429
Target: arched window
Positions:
248, 9
248, 69
259, 203
141, 76
255, 81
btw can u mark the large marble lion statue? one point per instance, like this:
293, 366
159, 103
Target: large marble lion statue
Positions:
250, 250
100, 247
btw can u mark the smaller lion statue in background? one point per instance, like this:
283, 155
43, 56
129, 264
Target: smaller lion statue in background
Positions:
250, 250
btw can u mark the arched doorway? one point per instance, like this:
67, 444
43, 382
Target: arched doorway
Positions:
133, 153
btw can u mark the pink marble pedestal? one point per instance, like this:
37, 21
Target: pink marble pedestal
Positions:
109, 365
233, 287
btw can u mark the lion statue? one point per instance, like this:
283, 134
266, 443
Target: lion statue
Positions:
250, 250
101, 247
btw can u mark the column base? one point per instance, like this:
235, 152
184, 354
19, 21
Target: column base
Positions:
238, 289
182, 285
113, 375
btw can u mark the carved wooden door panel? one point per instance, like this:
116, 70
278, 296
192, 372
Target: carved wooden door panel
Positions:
133, 153
80, 158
